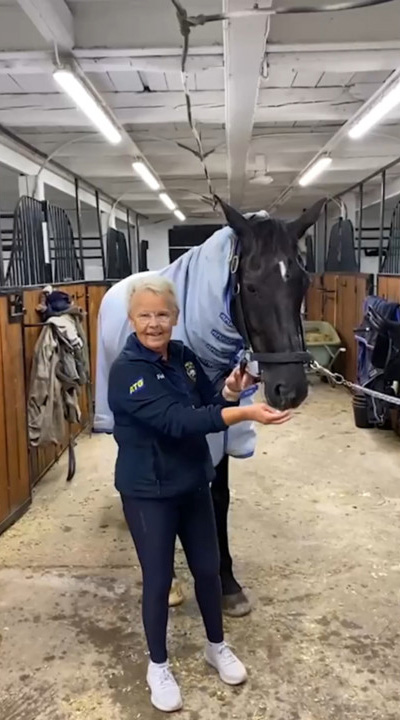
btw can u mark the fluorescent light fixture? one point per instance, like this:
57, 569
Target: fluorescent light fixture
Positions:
167, 201
316, 169
89, 105
378, 111
141, 169
180, 215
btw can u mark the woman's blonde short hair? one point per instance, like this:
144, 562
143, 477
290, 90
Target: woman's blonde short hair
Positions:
156, 284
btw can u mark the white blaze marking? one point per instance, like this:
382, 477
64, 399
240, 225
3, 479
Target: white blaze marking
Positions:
282, 268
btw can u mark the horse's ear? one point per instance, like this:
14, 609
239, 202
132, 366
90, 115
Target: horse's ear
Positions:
308, 218
235, 219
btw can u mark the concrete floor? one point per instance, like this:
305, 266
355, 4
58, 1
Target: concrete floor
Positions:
315, 531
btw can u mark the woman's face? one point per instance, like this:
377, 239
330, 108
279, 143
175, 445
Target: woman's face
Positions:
153, 317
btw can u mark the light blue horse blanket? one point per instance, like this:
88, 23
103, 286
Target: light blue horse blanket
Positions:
202, 281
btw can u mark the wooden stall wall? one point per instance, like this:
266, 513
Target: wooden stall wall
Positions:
95, 294
338, 299
21, 466
389, 287
15, 489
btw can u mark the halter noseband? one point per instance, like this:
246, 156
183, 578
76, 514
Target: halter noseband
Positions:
298, 357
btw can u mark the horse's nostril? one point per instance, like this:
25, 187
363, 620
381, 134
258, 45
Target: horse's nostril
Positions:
278, 390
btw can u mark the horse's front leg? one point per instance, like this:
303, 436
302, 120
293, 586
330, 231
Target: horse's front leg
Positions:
235, 602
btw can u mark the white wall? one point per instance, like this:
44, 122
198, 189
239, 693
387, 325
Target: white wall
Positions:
157, 236
369, 264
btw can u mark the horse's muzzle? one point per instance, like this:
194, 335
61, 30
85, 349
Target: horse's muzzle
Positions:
285, 386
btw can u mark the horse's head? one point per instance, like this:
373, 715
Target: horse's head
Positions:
273, 283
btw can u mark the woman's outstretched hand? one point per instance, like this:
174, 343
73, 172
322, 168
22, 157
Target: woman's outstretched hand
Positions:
266, 415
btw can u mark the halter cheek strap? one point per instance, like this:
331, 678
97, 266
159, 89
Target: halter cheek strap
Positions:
298, 357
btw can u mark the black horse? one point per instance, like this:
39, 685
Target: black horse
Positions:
268, 284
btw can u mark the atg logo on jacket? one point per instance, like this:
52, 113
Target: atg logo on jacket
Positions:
191, 370
138, 385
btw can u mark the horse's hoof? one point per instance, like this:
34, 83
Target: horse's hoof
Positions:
176, 596
237, 605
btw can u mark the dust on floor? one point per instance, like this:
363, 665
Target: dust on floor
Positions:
315, 532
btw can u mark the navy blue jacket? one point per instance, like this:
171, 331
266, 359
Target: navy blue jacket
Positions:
162, 412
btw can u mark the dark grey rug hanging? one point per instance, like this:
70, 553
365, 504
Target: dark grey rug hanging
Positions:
118, 265
341, 252
391, 263
310, 259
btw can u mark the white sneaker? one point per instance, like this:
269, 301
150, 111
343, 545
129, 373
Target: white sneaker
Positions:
165, 693
230, 669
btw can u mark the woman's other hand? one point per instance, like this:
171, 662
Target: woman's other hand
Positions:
237, 381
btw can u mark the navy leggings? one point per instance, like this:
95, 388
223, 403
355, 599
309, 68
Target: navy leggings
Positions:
154, 525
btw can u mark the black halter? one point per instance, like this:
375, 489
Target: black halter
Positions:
298, 357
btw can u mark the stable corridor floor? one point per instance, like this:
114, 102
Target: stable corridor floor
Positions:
315, 531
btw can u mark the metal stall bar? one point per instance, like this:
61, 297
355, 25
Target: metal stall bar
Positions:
137, 235
98, 213
314, 244
79, 228
360, 225
382, 218
396, 233
48, 270
128, 230
325, 236
2, 277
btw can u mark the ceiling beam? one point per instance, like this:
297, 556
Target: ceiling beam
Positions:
327, 57
335, 57
127, 99
53, 19
71, 118
244, 48
29, 116
110, 60
335, 61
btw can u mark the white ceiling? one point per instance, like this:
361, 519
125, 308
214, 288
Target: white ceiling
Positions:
318, 71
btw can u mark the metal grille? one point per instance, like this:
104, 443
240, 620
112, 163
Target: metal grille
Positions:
41, 246
341, 251
64, 258
310, 258
391, 264
27, 265
118, 265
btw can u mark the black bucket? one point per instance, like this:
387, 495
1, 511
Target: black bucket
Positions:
360, 412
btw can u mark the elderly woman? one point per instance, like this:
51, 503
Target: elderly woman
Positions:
164, 406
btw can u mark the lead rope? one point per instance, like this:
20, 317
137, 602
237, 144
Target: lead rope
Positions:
338, 379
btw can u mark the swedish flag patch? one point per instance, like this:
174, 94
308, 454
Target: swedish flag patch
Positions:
138, 385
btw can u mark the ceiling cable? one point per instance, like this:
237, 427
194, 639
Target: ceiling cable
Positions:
184, 27
256, 10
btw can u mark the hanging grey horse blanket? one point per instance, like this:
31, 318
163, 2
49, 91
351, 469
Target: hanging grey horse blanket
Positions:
202, 281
